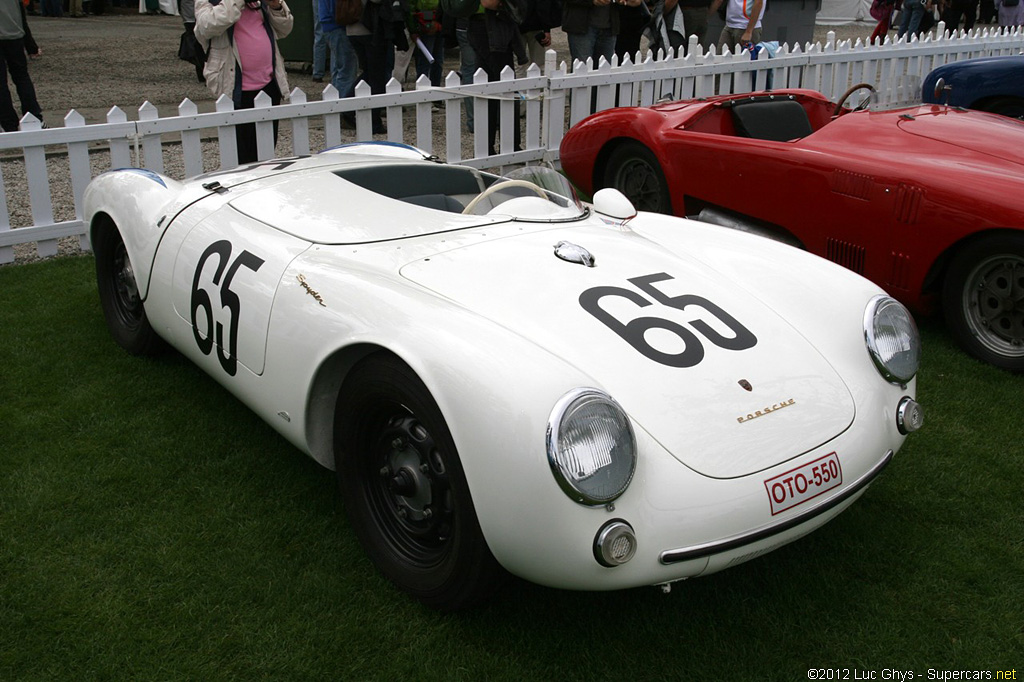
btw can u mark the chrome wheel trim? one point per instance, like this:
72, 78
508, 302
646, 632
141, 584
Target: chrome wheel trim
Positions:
993, 304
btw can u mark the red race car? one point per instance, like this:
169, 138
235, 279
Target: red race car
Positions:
927, 201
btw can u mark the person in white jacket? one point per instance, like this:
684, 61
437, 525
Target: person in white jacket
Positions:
242, 58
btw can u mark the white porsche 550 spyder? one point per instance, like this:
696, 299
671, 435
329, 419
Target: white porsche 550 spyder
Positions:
506, 379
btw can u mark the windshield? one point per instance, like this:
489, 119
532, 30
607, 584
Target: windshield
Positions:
531, 193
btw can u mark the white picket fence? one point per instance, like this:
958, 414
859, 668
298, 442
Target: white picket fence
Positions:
552, 99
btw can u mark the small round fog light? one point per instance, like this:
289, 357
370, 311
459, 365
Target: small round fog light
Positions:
615, 544
909, 416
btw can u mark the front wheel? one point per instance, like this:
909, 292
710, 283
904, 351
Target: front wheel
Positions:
983, 299
119, 294
404, 488
633, 169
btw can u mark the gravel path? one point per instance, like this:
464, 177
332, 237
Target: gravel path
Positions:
124, 59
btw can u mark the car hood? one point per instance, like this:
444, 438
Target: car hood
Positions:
995, 136
732, 413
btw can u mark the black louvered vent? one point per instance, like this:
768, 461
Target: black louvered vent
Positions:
900, 273
848, 255
849, 184
908, 203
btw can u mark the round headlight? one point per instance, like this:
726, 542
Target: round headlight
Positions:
591, 447
892, 339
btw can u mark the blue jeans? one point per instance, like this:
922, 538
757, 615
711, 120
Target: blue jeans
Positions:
910, 17
344, 62
594, 44
319, 44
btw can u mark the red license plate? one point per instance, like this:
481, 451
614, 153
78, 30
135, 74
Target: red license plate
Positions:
806, 482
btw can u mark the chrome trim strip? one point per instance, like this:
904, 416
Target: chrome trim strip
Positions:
707, 549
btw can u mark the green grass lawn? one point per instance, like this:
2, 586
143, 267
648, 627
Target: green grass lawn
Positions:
152, 528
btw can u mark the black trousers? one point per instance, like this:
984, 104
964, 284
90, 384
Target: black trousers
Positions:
372, 52
492, 62
13, 60
245, 134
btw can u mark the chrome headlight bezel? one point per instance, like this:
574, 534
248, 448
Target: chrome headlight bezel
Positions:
892, 339
590, 404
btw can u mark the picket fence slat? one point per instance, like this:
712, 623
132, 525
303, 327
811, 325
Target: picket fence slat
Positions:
549, 100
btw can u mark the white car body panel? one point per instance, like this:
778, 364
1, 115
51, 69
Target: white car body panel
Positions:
491, 321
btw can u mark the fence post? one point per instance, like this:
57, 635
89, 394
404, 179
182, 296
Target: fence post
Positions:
152, 146
191, 143
226, 136
78, 164
120, 149
300, 126
39, 187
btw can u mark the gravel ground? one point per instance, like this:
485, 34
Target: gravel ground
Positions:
124, 59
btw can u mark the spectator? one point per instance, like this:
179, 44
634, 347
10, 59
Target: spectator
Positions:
15, 42
538, 20
52, 8
246, 31
882, 11
987, 12
189, 48
911, 17
591, 27
493, 33
467, 65
373, 39
344, 63
1011, 13
668, 31
968, 9
695, 21
319, 45
742, 22
425, 25
632, 22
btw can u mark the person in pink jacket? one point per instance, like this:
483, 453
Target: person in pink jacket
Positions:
242, 58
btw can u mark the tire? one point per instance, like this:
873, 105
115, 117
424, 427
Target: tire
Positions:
119, 294
404, 489
633, 169
983, 300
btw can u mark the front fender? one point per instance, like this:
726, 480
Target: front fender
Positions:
136, 201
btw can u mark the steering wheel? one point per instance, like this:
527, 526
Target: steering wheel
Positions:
838, 111
500, 185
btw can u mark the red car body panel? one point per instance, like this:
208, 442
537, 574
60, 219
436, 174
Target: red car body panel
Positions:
888, 194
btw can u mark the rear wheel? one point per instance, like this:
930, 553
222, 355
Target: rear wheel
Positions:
404, 488
983, 298
119, 294
633, 169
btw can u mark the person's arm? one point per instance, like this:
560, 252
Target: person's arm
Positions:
755, 15
713, 7
213, 19
281, 19
31, 48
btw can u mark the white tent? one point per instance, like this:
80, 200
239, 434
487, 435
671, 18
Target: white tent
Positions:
844, 11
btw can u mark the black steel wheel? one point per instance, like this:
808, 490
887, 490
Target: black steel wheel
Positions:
983, 300
404, 489
119, 294
633, 169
